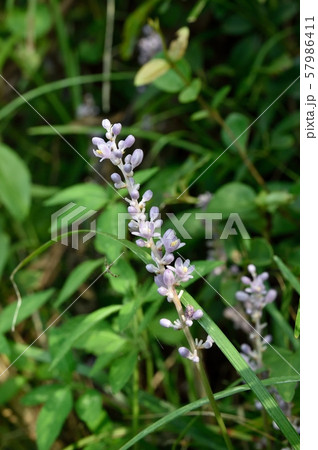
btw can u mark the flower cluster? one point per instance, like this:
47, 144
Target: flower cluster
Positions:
168, 271
148, 45
255, 297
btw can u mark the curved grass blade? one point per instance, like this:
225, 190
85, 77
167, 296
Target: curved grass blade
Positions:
197, 404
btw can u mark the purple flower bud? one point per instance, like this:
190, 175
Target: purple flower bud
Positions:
241, 296
151, 268
127, 168
264, 276
168, 278
128, 159
154, 213
137, 157
246, 280
208, 343
147, 196
132, 210
184, 352
163, 291
106, 124
246, 349
116, 178
166, 323
129, 141
134, 194
118, 153
252, 269
140, 243
270, 296
197, 314
116, 129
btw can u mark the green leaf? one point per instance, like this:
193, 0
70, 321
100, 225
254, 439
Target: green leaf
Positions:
15, 183
4, 346
228, 349
260, 252
76, 279
287, 274
236, 124
10, 388
178, 46
220, 95
297, 324
80, 328
52, 417
184, 410
174, 81
233, 198
271, 201
109, 220
4, 250
92, 196
17, 21
121, 370
277, 368
126, 279
191, 92
30, 303
150, 71
89, 408
40, 394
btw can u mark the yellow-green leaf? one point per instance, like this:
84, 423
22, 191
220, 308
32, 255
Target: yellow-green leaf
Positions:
178, 46
151, 71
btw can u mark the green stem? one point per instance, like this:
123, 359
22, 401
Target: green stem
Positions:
203, 376
214, 405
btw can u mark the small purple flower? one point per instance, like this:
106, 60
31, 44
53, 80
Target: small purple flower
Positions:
137, 157
176, 325
146, 230
116, 129
170, 241
182, 269
104, 149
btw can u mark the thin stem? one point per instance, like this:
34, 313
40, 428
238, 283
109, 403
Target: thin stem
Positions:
202, 374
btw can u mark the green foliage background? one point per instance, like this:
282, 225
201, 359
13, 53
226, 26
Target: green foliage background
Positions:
106, 370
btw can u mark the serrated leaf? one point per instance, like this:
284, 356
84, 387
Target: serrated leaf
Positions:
30, 303
76, 278
15, 183
52, 417
191, 92
151, 71
179, 46
80, 328
121, 370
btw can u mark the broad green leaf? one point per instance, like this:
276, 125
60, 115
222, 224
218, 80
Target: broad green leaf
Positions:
52, 417
236, 129
126, 279
228, 349
76, 279
94, 342
89, 408
79, 329
233, 198
260, 252
191, 92
184, 410
17, 21
121, 370
175, 79
113, 220
287, 274
277, 367
151, 71
271, 201
4, 346
10, 388
40, 394
15, 183
178, 46
297, 324
92, 196
127, 313
30, 303
4, 250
